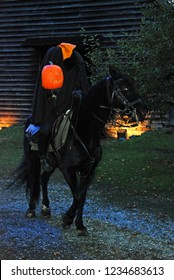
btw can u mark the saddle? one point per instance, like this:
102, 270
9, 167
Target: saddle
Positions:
59, 133
60, 130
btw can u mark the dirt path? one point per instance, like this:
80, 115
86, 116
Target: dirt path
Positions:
120, 227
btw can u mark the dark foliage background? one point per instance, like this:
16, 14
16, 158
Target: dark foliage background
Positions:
146, 55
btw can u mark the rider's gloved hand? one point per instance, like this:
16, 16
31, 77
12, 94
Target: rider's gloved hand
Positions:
32, 129
77, 93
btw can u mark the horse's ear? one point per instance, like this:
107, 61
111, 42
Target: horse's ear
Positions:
114, 71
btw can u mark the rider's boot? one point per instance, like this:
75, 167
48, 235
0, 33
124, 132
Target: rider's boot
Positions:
43, 142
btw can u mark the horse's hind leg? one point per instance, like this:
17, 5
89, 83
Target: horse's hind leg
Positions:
31, 213
33, 184
45, 211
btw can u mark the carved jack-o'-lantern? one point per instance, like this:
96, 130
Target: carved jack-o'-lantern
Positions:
52, 77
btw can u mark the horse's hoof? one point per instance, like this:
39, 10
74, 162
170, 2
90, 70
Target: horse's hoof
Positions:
82, 232
46, 212
66, 227
66, 221
30, 214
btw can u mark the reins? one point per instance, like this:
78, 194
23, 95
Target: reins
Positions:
129, 109
74, 135
82, 143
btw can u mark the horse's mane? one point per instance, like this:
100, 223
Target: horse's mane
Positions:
84, 120
94, 97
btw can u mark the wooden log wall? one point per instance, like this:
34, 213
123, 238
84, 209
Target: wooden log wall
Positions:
29, 27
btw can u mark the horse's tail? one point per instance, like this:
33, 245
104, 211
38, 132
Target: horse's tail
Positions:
27, 173
20, 174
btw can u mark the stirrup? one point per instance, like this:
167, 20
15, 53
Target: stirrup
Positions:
45, 166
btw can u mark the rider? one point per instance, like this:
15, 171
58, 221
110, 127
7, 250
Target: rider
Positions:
46, 108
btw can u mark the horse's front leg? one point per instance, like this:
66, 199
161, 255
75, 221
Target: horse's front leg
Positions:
79, 189
76, 211
81, 229
85, 180
45, 210
69, 216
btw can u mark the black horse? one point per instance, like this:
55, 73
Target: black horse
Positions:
81, 153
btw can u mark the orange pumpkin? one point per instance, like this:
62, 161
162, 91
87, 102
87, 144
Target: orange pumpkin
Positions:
52, 77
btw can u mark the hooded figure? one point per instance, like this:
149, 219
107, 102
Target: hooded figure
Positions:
46, 108
73, 67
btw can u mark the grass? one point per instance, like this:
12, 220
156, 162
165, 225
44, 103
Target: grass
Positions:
144, 163
11, 149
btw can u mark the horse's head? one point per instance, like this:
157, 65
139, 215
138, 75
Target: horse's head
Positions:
126, 98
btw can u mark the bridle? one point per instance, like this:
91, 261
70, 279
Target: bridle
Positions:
128, 109
129, 106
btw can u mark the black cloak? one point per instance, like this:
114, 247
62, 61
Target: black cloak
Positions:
75, 77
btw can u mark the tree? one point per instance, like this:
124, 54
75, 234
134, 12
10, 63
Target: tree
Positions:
146, 55
149, 56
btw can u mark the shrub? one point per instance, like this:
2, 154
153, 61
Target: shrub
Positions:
149, 56
146, 55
